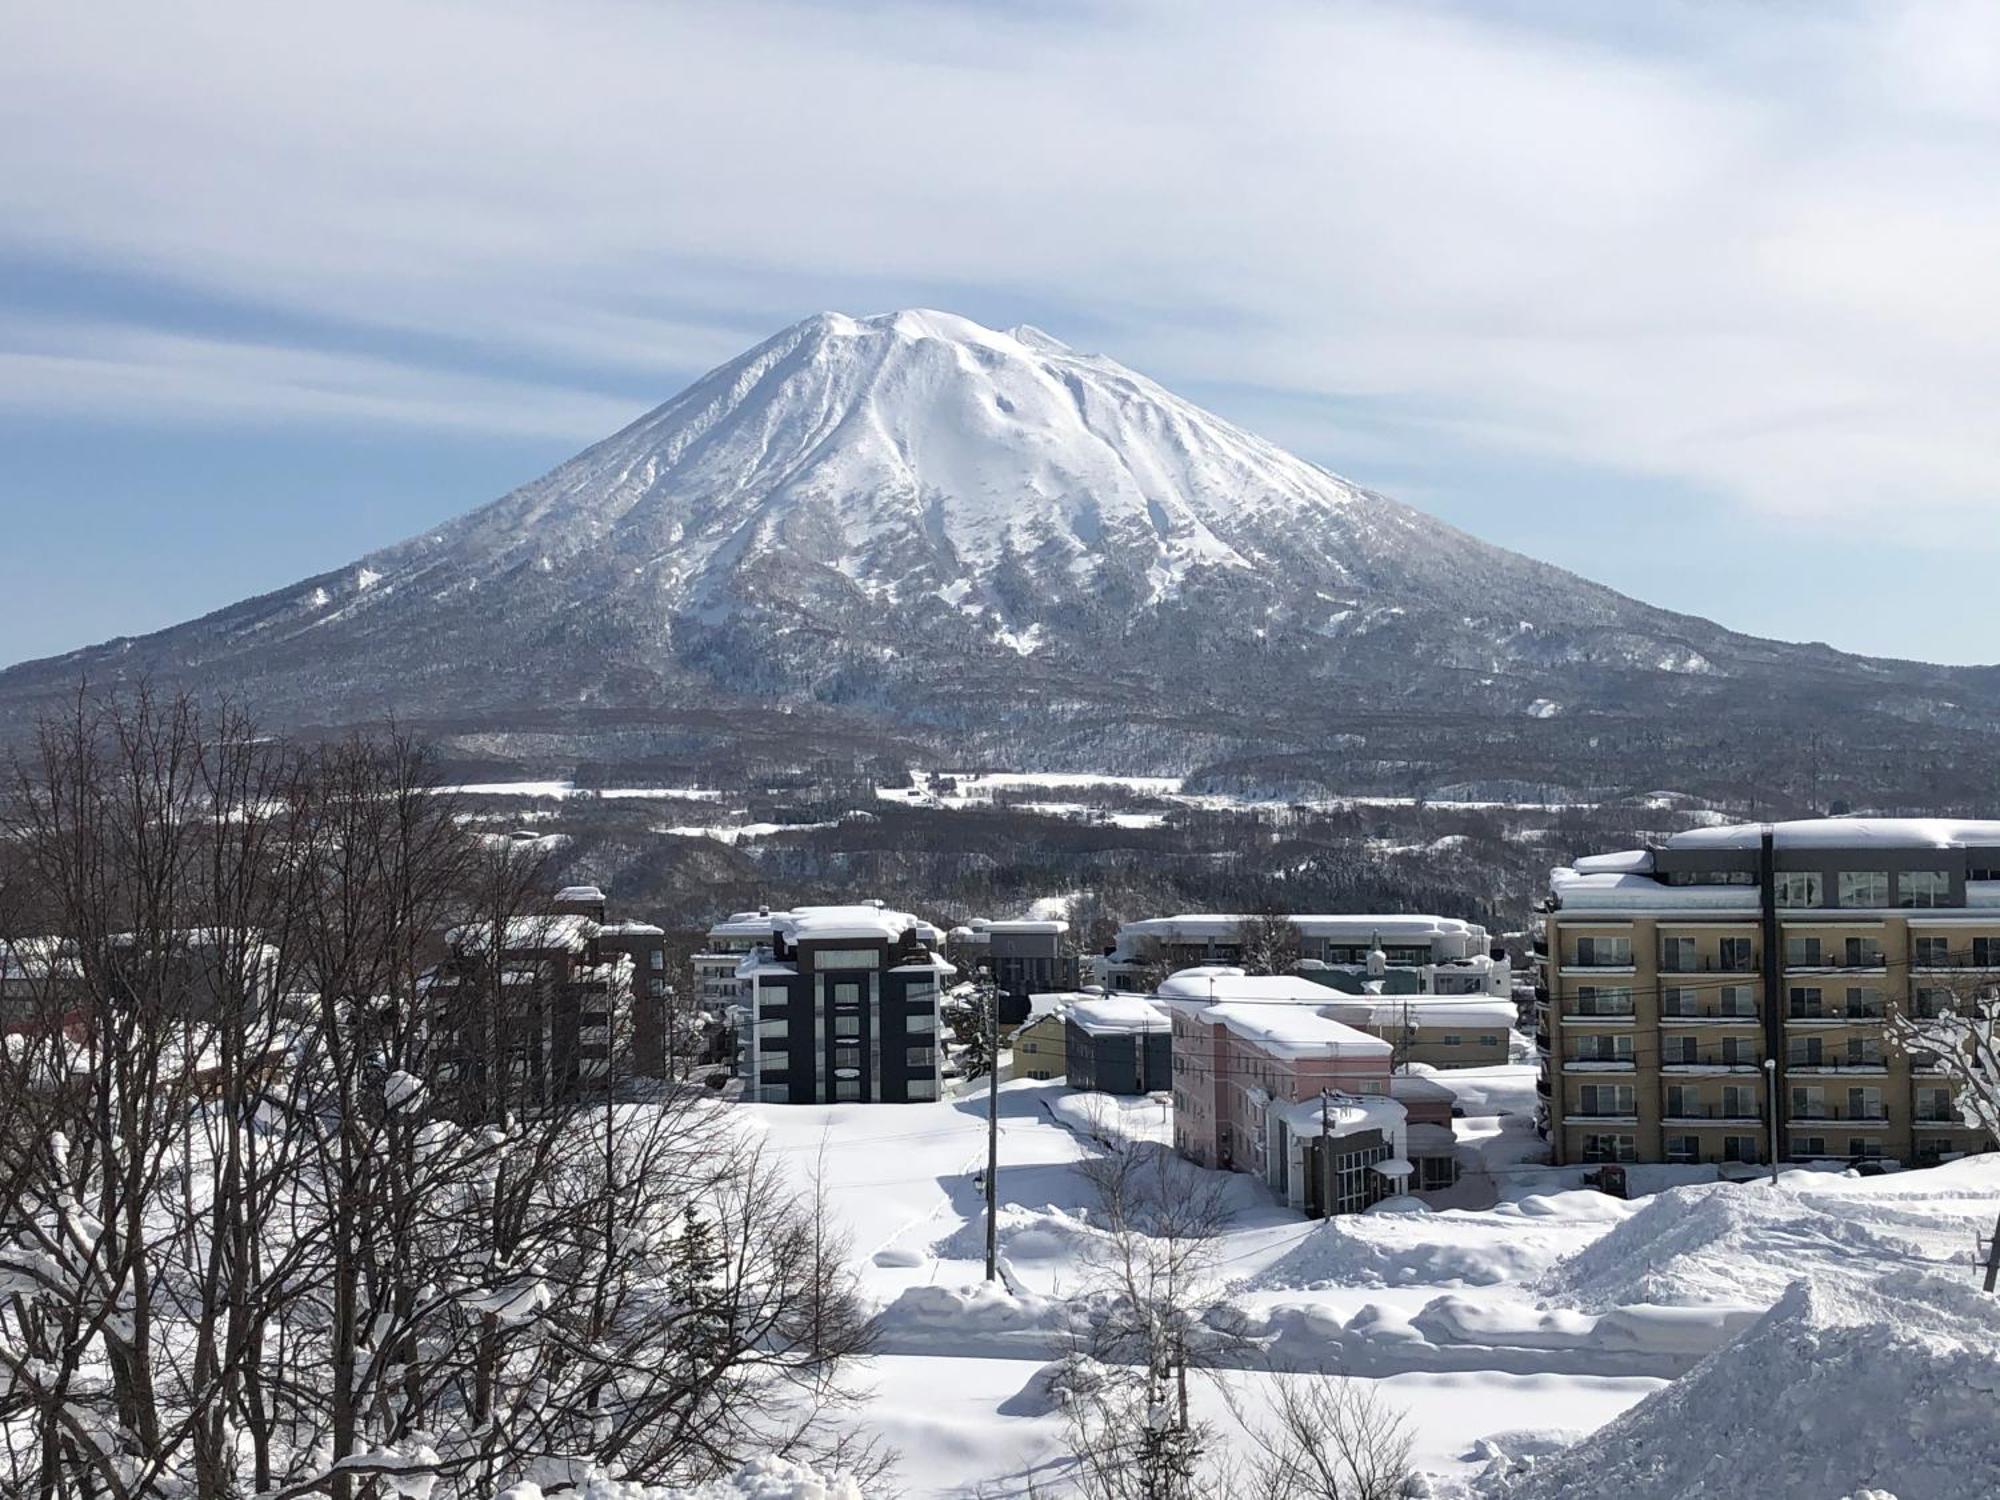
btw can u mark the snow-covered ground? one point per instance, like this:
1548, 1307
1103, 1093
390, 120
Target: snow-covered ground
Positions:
1512, 1325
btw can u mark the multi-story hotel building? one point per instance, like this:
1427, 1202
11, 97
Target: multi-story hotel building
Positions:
1728, 994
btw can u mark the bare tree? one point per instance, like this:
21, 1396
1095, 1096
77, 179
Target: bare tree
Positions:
291, 1205
1330, 1438
1952, 1030
1124, 1385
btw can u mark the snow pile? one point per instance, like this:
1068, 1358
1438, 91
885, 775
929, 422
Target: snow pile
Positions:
1438, 1249
760, 1479
1891, 1385
1743, 1243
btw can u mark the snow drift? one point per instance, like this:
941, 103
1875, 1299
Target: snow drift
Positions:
1891, 1385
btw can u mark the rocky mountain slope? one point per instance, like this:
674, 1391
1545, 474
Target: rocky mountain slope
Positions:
915, 534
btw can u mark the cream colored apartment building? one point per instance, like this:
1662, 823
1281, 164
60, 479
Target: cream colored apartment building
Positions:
1726, 995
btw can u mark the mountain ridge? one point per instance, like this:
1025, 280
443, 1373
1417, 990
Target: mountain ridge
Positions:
943, 530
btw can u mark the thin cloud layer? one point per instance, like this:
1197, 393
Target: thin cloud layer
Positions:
1748, 249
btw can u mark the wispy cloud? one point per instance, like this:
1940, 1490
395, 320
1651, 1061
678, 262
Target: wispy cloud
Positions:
1751, 248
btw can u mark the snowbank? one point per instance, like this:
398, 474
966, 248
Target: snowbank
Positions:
1891, 1385
1744, 1243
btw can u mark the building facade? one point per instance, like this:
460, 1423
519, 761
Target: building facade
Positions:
1118, 1044
1025, 957
1402, 954
1264, 1082
838, 1004
651, 1041
1726, 996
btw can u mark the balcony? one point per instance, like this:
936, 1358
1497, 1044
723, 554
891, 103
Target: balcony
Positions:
1707, 963
1838, 963
1708, 1016
1948, 962
1542, 1084
1578, 1117
1710, 1114
1836, 1065
1598, 1064
1710, 1062
1837, 1114
1834, 1018
1573, 965
1539, 947
1542, 1038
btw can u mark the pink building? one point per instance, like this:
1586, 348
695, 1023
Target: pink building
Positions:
1265, 1082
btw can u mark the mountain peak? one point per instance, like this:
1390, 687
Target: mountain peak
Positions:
946, 525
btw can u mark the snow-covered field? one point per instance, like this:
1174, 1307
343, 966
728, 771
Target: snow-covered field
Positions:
1502, 1329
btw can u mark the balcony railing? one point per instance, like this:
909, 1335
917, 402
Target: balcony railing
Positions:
1594, 962
1673, 1014
1707, 963
1705, 1111
1835, 1064
1710, 1060
1966, 960
1819, 1114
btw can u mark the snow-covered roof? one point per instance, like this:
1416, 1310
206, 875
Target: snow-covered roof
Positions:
1427, 1139
982, 926
1397, 927
580, 893
867, 921
569, 931
1624, 862
1218, 983
1343, 1114
1846, 833
1117, 1015
1572, 888
1428, 1011
1295, 1031
35, 959
631, 929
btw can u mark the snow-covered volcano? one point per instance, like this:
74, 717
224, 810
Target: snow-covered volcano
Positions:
935, 527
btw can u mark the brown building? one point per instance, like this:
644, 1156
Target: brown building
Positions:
1728, 994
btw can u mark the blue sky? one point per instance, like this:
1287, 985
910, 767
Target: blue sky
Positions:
1702, 302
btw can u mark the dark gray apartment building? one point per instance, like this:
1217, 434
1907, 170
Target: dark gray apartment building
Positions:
839, 1004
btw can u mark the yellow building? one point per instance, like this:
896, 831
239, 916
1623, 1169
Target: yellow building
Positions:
1727, 995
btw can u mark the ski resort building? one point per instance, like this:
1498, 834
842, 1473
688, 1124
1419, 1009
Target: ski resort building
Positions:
838, 1003
1118, 1044
1023, 955
537, 1006
646, 946
1266, 1082
1413, 955
1728, 993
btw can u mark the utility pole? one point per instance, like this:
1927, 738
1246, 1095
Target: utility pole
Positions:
992, 1004
1326, 1153
1771, 1109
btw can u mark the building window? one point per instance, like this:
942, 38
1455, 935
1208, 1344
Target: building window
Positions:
1740, 1148
1864, 1004
1806, 1002
1683, 1148
1864, 888
847, 958
1739, 1103
1678, 1049
1931, 952
1598, 1148
1592, 1000
1802, 953
1607, 1099
1797, 888
1864, 1147
926, 1057
1739, 1000
1604, 1048
657, 959
1932, 1003
1923, 888
846, 1088
846, 1024
1862, 953
1736, 955
1809, 1145
1677, 955
1603, 953
1453, 1039
847, 1057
